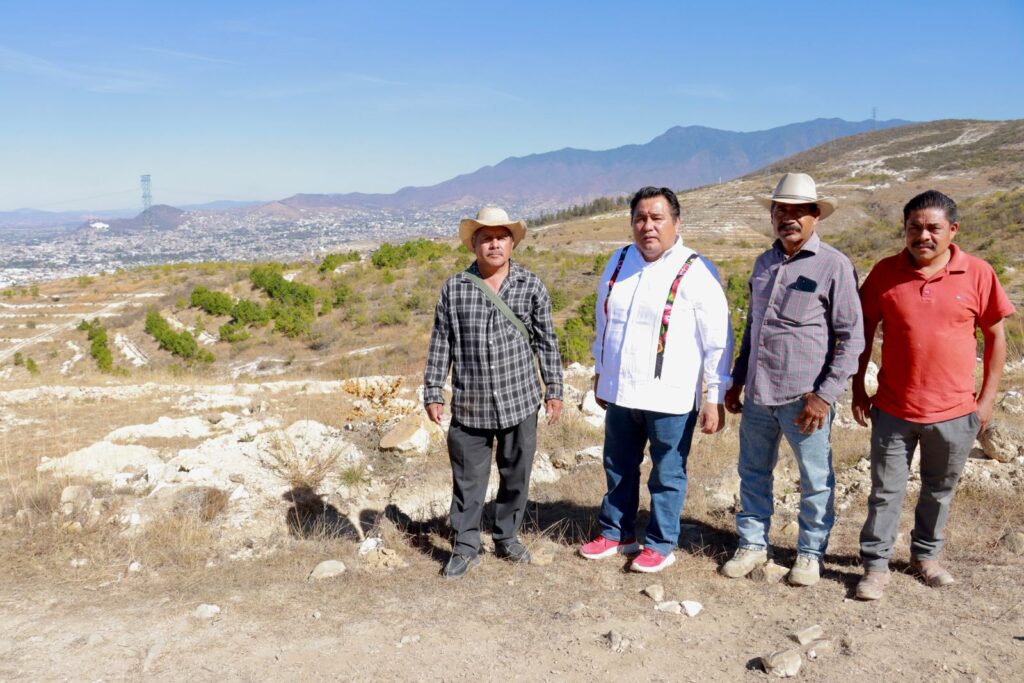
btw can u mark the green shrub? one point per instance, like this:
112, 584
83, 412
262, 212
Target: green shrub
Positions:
181, 344
99, 348
18, 358
293, 321
214, 303
559, 299
418, 251
248, 312
233, 332
332, 261
31, 366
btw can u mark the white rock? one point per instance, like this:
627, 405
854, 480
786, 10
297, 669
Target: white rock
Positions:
577, 370
79, 562
544, 471
784, 664
871, 378
808, 635
74, 499
691, 607
135, 566
655, 592
370, 544
326, 570
592, 452
590, 406
206, 611
192, 427
1001, 441
669, 606
101, 461
594, 421
411, 434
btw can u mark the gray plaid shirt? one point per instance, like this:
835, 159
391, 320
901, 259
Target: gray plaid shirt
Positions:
494, 373
804, 327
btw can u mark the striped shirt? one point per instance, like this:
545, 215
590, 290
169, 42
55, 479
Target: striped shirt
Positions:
494, 368
804, 327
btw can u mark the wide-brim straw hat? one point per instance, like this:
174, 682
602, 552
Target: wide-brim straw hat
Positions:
490, 217
799, 188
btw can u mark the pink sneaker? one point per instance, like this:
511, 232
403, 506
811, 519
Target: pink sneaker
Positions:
650, 561
602, 547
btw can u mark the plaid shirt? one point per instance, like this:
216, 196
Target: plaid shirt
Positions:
804, 328
494, 378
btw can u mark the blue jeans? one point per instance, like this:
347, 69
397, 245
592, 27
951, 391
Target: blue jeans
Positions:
626, 432
761, 430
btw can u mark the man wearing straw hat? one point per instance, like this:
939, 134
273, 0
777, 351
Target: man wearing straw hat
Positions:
491, 325
801, 343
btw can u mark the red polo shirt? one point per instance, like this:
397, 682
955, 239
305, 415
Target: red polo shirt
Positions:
928, 346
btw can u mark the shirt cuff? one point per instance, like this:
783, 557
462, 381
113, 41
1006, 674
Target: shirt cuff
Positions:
826, 396
553, 391
433, 395
715, 392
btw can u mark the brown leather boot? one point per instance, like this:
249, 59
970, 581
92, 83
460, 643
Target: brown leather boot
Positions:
932, 573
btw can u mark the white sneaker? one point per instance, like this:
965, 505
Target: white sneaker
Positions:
743, 562
806, 570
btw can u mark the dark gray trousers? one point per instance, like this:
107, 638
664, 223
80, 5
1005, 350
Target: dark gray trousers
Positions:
470, 451
944, 450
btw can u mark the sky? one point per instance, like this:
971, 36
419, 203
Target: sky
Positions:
261, 100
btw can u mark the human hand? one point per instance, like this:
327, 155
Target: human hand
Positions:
553, 409
732, 399
712, 417
984, 412
600, 402
814, 414
435, 411
861, 407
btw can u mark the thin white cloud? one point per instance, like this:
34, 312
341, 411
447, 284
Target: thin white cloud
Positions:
93, 79
191, 56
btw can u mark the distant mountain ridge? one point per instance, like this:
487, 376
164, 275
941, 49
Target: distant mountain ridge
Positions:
681, 158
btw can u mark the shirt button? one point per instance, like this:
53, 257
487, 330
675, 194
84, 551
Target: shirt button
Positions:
927, 291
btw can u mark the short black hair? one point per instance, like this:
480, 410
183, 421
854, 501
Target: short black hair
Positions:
932, 199
649, 192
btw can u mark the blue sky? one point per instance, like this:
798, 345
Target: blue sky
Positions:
260, 100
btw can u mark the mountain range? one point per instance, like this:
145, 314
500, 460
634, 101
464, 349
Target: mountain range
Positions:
681, 158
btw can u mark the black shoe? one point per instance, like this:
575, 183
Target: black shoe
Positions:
513, 551
459, 565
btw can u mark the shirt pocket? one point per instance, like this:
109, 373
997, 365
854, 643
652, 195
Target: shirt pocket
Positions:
799, 307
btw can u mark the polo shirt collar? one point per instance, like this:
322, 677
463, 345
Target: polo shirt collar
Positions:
957, 260
812, 245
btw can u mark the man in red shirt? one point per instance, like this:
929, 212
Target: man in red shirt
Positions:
929, 299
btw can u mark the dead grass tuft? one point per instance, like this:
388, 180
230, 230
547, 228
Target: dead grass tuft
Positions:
284, 458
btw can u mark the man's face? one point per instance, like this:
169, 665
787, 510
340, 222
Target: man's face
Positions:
929, 234
493, 246
654, 227
794, 224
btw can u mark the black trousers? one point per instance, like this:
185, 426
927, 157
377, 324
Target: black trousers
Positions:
470, 451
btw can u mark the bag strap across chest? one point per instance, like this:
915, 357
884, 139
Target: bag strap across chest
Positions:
669, 302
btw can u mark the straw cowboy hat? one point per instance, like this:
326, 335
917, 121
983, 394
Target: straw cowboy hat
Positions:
489, 217
799, 188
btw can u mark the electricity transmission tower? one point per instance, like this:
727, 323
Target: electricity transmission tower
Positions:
147, 202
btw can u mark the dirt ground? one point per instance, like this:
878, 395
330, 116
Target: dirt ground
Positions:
571, 619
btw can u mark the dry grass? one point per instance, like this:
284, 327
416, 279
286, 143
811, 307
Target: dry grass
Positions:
300, 470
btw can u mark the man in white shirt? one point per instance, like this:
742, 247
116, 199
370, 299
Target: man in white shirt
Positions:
662, 329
